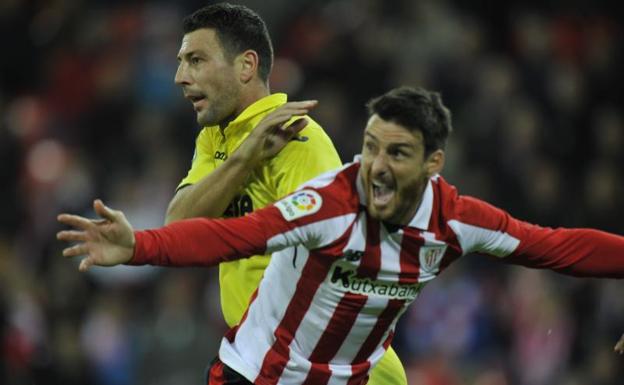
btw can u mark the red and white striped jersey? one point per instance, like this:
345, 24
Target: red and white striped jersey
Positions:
339, 280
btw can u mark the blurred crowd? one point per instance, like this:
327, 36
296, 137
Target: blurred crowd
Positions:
88, 108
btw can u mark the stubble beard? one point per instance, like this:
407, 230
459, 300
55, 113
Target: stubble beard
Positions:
221, 111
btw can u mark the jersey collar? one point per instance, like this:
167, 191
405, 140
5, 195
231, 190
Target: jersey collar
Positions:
259, 106
423, 214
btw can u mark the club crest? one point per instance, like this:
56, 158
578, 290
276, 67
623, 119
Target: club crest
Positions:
430, 258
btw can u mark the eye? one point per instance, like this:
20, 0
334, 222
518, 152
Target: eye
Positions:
399, 154
195, 60
369, 146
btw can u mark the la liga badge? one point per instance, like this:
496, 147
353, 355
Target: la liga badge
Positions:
300, 204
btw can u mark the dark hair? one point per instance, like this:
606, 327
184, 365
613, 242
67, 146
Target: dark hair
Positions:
415, 109
238, 28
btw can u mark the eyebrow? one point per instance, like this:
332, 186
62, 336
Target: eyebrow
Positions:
393, 144
371, 135
186, 55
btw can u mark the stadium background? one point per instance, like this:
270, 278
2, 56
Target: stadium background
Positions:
88, 109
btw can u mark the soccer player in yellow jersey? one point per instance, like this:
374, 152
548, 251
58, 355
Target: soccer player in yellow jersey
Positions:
254, 148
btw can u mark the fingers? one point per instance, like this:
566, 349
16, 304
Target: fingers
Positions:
287, 111
75, 221
619, 347
71, 236
295, 127
104, 211
85, 264
76, 250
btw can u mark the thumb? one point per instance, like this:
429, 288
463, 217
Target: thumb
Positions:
85, 264
104, 211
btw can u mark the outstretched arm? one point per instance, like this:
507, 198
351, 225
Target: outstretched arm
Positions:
580, 252
210, 196
111, 240
193, 242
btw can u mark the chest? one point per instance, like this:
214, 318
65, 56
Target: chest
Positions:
385, 255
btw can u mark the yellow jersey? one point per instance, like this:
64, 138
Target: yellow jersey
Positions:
304, 158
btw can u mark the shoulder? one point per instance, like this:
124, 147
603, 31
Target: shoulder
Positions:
465, 209
311, 153
311, 139
332, 193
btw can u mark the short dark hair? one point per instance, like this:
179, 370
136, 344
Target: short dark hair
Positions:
415, 109
238, 28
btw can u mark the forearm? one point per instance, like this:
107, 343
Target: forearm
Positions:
199, 242
578, 252
212, 194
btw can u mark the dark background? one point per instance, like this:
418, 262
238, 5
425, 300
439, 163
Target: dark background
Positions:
88, 109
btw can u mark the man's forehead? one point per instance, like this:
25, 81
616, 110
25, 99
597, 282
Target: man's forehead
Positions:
199, 39
389, 131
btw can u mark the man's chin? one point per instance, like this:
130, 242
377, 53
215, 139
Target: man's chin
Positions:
380, 214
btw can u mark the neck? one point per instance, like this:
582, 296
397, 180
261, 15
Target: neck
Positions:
250, 94
412, 213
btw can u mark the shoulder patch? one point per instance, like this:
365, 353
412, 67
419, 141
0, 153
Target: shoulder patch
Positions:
300, 204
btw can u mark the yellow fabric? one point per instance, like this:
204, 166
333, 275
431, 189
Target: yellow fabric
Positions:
298, 162
389, 371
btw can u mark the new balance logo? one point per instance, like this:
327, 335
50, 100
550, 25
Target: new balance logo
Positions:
353, 255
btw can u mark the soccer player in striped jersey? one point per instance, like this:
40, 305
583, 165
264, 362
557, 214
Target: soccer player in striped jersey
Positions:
351, 250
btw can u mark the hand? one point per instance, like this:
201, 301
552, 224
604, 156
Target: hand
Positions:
270, 136
105, 242
619, 347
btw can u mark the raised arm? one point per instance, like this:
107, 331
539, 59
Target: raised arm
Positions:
211, 195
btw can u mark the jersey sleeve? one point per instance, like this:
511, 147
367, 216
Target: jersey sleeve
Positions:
202, 160
312, 218
302, 159
483, 228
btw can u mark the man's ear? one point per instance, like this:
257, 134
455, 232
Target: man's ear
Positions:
435, 163
247, 63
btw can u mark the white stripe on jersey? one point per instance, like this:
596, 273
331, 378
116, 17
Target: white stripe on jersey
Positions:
314, 235
365, 321
390, 248
477, 239
250, 346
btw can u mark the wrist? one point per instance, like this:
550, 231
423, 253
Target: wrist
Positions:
245, 158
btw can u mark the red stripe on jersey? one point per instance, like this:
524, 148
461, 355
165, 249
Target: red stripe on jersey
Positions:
319, 374
359, 373
333, 336
410, 247
383, 323
215, 375
371, 262
313, 274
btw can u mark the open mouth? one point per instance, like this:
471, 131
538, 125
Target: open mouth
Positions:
382, 193
196, 99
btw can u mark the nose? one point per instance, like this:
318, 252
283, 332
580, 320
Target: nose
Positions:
181, 75
380, 165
